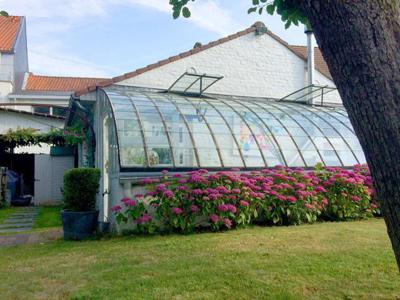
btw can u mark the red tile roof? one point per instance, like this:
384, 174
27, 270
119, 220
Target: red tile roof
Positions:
320, 63
59, 84
9, 28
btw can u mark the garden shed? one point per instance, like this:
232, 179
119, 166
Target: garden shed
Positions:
137, 132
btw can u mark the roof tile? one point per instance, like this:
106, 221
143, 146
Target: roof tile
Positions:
54, 83
9, 28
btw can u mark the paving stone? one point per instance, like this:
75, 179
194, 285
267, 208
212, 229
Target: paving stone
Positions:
10, 230
18, 220
22, 218
16, 225
30, 238
24, 214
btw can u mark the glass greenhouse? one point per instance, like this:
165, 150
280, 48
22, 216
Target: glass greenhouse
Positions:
154, 130
133, 132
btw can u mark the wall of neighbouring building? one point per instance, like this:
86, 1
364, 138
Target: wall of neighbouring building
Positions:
252, 65
20, 58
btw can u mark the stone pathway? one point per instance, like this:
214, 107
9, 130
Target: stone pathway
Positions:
31, 238
19, 221
12, 230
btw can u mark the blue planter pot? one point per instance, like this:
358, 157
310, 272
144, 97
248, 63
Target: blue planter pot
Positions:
79, 225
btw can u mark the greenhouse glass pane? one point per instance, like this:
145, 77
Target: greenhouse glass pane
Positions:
347, 158
330, 158
209, 157
231, 157
286, 143
185, 157
227, 128
353, 143
360, 156
311, 158
293, 158
159, 155
132, 157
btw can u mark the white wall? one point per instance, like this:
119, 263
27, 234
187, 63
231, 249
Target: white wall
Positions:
20, 57
251, 65
6, 88
49, 173
15, 120
332, 97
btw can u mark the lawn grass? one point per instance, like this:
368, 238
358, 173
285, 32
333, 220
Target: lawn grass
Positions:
351, 260
49, 216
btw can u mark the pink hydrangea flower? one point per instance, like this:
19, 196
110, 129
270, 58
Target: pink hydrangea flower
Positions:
244, 203
116, 208
222, 207
177, 210
291, 199
123, 200
168, 194
232, 208
308, 205
227, 222
214, 218
143, 219
130, 202
324, 202
193, 208
355, 198
320, 189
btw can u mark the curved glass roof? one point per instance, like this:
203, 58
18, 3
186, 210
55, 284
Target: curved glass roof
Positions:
158, 129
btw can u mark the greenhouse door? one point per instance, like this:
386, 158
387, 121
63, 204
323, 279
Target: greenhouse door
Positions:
106, 174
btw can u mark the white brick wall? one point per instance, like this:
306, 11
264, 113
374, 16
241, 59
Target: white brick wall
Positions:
251, 65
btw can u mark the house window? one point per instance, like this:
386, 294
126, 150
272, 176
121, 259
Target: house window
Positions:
41, 110
58, 111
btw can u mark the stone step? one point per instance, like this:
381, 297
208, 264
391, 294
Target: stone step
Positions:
16, 225
11, 230
18, 220
22, 216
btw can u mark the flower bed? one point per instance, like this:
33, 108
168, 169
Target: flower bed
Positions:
227, 199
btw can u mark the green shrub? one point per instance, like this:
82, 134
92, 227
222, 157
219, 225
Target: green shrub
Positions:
80, 189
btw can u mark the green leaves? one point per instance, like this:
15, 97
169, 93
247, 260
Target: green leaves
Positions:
251, 10
288, 10
186, 12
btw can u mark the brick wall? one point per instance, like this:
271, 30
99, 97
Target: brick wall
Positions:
251, 65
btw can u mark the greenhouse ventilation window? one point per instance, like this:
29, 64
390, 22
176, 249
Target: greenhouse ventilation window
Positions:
156, 130
193, 84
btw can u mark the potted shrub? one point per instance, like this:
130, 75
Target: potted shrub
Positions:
79, 216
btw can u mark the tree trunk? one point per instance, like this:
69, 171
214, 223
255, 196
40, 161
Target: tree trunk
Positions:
360, 41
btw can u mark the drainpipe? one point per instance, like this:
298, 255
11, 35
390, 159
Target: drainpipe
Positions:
310, 61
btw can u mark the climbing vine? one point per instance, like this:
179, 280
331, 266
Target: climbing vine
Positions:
31, 137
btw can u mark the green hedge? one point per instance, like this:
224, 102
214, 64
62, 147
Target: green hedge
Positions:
80, 189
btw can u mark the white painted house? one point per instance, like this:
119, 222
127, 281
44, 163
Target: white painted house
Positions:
32, 101
254, 62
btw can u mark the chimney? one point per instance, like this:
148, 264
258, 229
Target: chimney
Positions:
310, 60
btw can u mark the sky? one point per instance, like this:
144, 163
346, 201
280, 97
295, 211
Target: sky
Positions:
105, 38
